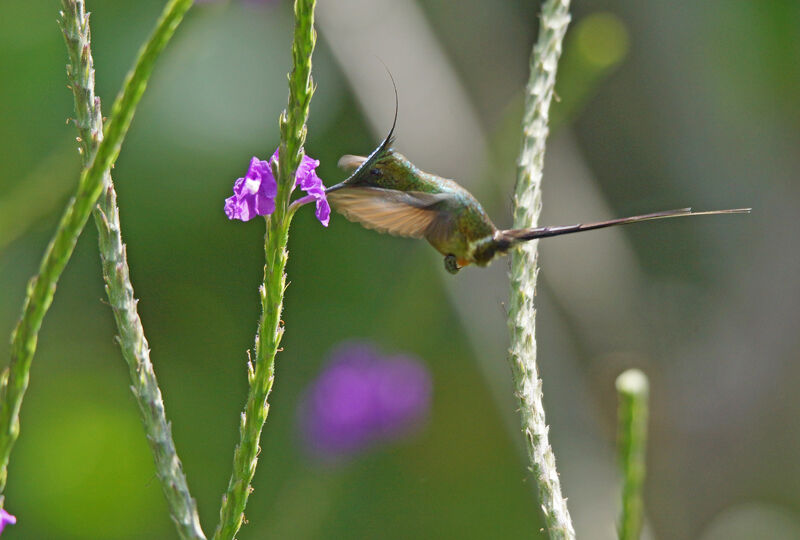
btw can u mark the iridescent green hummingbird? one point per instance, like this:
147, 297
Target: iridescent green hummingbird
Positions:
386, 192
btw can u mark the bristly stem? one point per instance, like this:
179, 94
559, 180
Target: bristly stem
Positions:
42, 287
135, 349
270, 326
522, 314
633, 391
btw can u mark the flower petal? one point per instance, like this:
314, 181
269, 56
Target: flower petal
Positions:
323, 211
254, 194
230, 207
6, 519
263, 205
238, 186
305, 175
309, 182
269, 186
259, 169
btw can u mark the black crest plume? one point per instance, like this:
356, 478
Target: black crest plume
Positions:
376, 154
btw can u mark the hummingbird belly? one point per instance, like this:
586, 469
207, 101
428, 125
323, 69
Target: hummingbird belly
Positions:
454, 245
469, 228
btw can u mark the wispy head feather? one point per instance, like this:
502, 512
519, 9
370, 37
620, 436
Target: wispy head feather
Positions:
379, 152
385, 146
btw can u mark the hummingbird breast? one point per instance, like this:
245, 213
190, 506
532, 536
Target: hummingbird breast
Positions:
466, 229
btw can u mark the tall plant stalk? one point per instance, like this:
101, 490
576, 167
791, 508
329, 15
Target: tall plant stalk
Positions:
633, 390
42, 287
522, 313
135, 349
270, 326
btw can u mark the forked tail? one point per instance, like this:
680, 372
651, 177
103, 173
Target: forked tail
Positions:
514, 236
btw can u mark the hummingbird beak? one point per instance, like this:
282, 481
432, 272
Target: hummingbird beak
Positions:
337, 187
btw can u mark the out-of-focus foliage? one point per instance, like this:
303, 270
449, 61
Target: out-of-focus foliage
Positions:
698, 106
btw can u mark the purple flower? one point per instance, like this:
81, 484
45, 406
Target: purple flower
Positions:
308, 181
6, 519
362, 398
254, 195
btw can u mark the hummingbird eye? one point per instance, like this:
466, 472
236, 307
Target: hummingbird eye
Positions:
375, 172
451, 264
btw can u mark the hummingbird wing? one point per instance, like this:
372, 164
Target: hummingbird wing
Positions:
350, 163
413, 214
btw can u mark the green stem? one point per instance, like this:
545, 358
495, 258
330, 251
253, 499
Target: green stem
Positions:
135, 349
522, 314
270, 326
633, 391
42, 287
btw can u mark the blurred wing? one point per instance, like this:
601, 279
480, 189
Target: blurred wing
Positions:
350, 163
413, 213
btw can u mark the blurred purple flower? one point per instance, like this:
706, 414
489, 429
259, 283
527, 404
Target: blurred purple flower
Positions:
254, 194
6, 519
362, 398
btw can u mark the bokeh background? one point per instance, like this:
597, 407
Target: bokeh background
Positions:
662, 105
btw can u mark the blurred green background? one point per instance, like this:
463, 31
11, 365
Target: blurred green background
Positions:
663, 105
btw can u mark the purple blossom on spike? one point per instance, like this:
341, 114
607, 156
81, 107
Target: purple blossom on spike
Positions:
362, 398
6, 519
308, 181
254, 195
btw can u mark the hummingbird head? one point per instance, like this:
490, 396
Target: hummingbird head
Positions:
451, 264
489, 247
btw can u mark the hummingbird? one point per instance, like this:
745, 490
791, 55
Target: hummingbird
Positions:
388, 193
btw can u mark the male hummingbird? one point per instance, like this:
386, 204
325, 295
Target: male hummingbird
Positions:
386, 192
